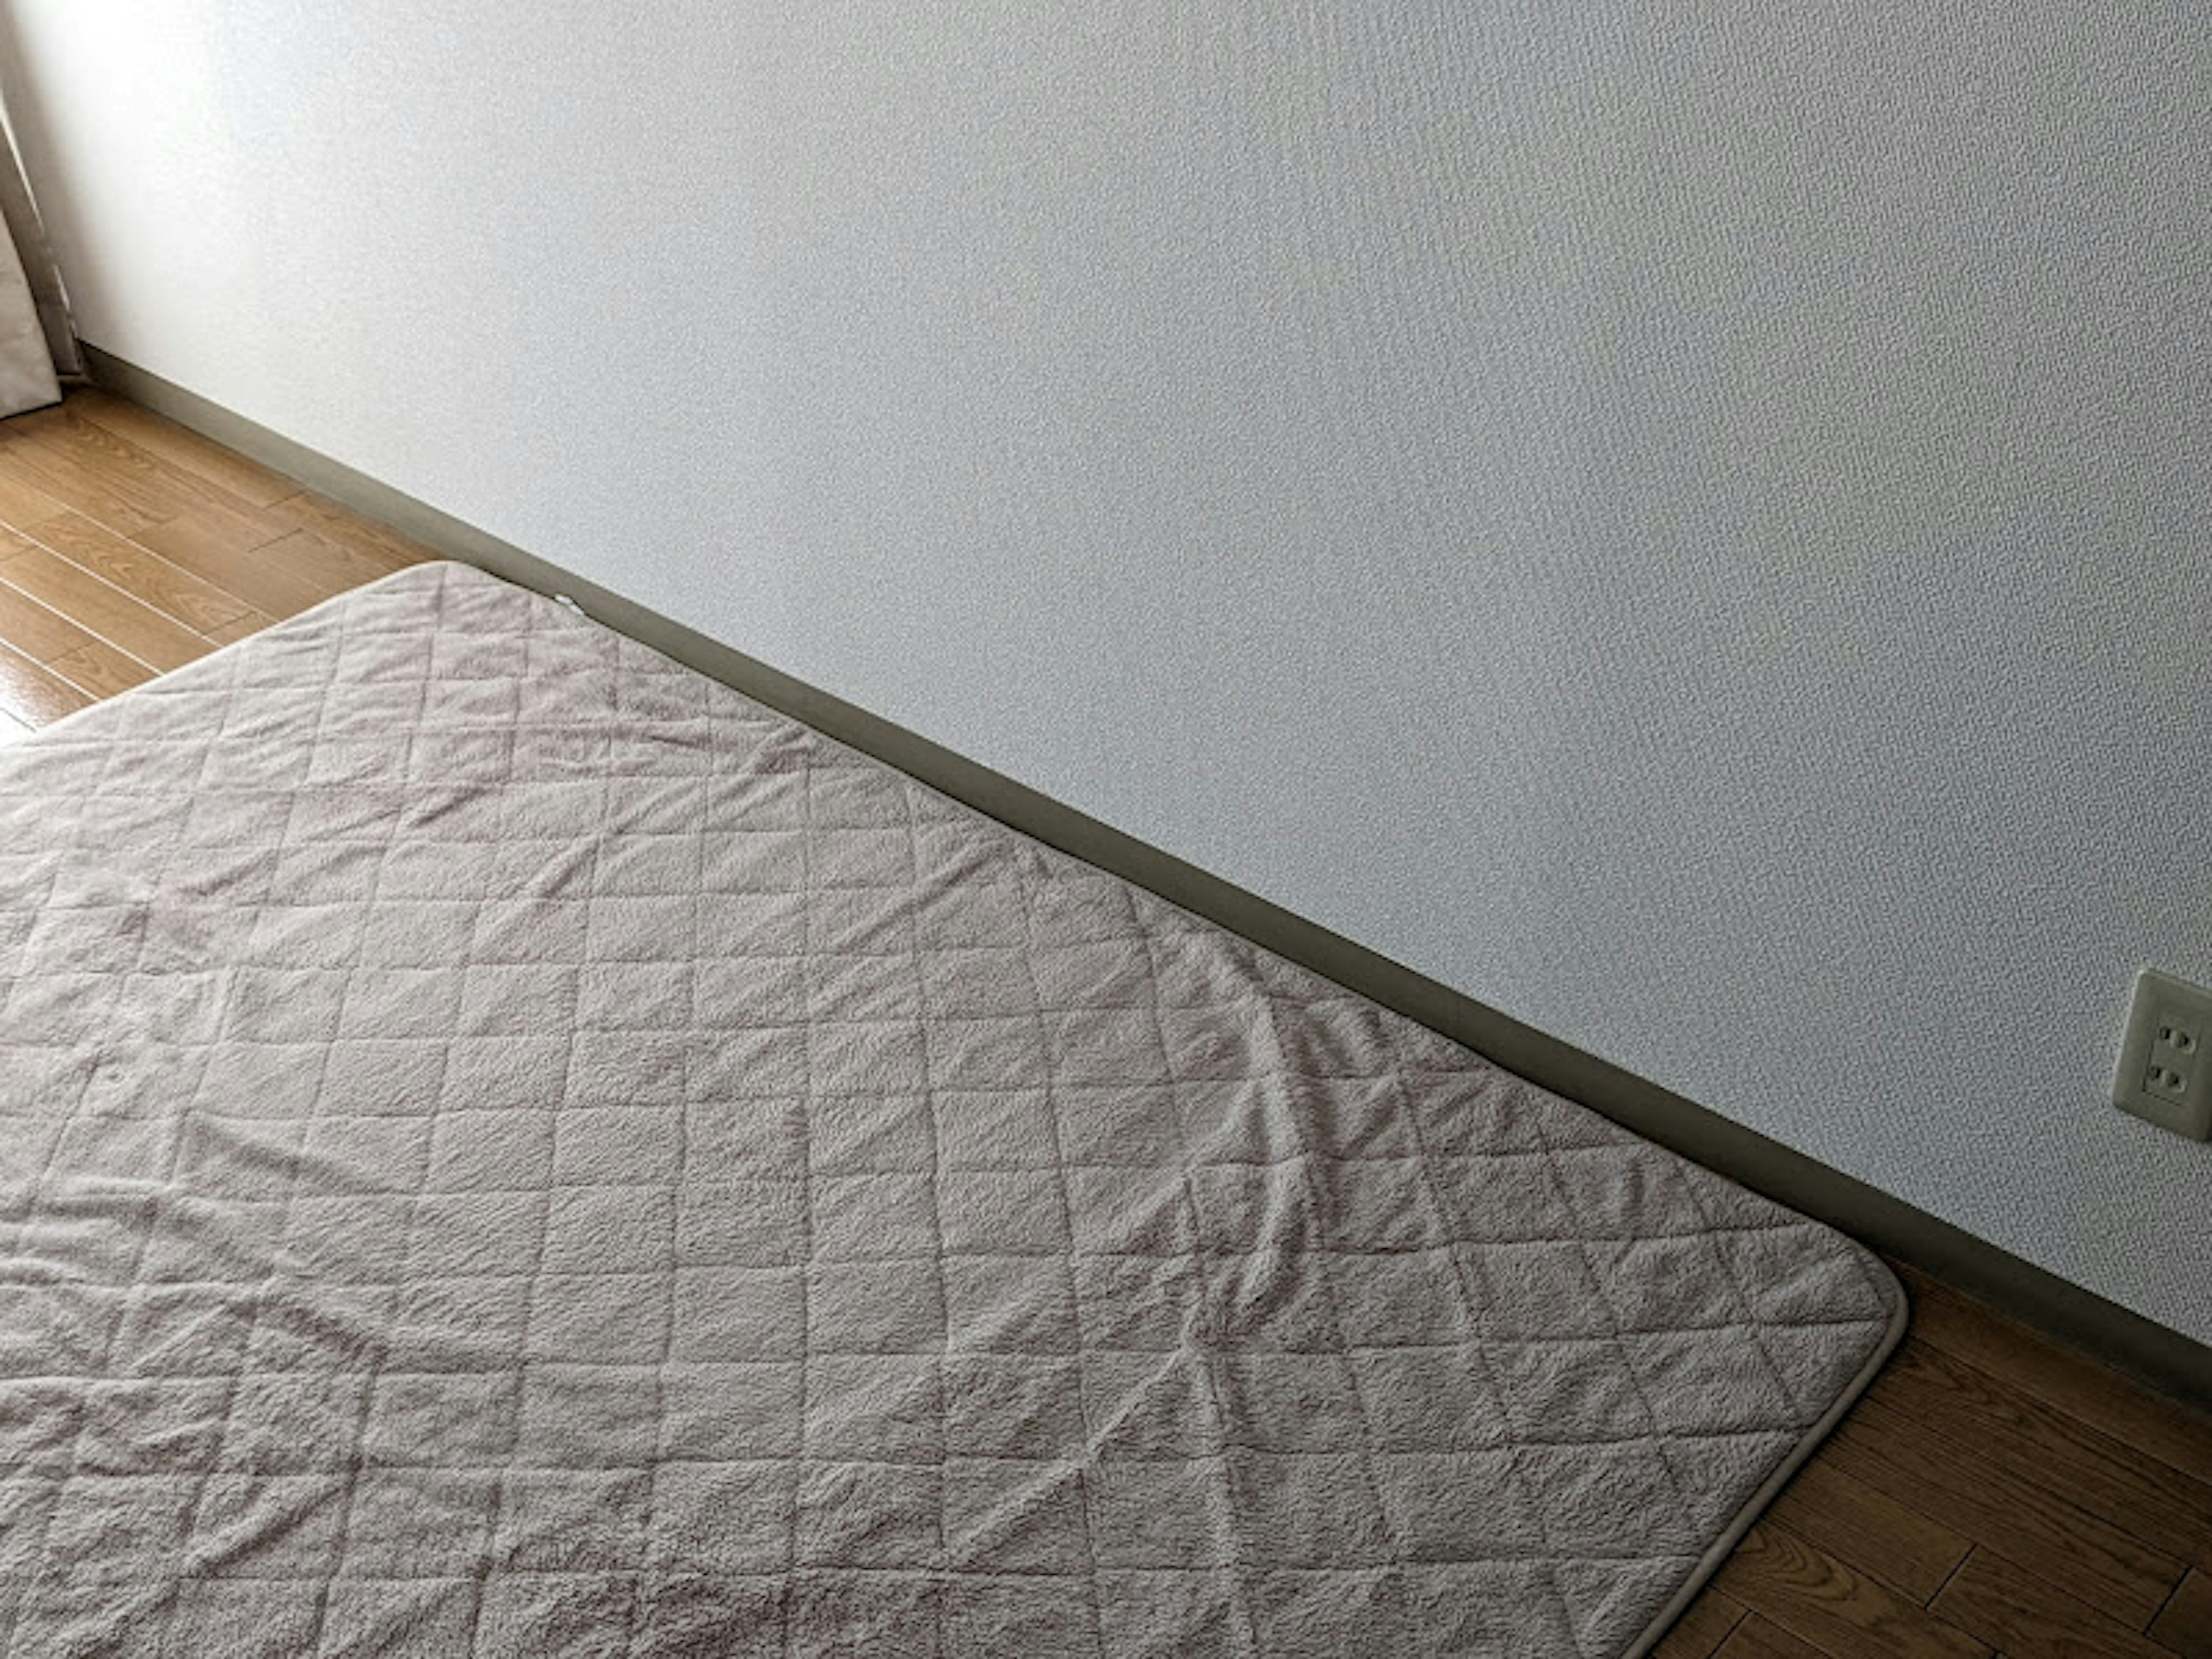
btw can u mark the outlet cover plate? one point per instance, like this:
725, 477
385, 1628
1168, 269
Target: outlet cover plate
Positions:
2164, 1074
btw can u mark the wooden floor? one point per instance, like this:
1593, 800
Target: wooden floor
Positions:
1992, 1494
129, 546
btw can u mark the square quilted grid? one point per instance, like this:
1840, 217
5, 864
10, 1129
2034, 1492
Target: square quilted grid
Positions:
547, 1157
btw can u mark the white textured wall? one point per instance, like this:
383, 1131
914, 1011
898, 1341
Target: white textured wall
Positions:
1689, 520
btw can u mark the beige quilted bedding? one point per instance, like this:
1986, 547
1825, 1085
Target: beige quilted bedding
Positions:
508, 1147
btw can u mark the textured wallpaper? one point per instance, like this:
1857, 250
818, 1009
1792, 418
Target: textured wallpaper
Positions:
1691, 522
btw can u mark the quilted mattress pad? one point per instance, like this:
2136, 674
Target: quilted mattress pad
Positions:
508, 1146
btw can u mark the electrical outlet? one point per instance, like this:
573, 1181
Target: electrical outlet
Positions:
2163, 1075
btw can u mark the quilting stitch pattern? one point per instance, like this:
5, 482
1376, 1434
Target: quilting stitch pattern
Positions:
506, 1147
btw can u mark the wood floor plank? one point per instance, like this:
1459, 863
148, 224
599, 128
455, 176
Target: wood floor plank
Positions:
1757, 1638
2009, 1608
233, 632
329, 567
22, 504
1881, 1537
2150, 1498
102, 611
1981, 1496
32, 694
98, 670
59, 646
283, 578
145, 576
11, 728
139, 475
348, 529
183, 448
1843, 1613
31, 629
2185, 1624
26, 464
1704, 1625
2072, 1382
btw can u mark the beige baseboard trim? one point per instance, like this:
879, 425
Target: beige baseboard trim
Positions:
2165, 1359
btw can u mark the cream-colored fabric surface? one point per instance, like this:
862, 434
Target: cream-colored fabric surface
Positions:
508, 1147
26, 372
27, 363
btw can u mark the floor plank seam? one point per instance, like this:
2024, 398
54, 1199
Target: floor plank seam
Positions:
1956, 1568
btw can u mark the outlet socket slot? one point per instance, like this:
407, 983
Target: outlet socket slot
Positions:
2163, 1077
